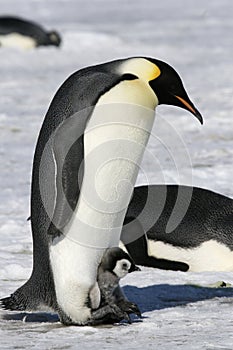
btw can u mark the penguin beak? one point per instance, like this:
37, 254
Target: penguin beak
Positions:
189, 106
134, 268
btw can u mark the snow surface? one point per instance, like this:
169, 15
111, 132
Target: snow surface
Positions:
196, 38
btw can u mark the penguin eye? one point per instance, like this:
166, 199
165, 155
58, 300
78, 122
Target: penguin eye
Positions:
125, 266
129, 76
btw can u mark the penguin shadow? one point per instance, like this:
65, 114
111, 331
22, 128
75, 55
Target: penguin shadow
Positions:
150, 298
39, 317
163, 296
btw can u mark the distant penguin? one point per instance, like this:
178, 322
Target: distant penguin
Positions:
107, 296
92, 140
183, 224
18, 32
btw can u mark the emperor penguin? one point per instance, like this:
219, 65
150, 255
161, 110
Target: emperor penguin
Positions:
18, 32
107, 299
180, 225
85, 167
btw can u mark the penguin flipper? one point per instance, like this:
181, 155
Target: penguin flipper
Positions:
69, 172
65, 144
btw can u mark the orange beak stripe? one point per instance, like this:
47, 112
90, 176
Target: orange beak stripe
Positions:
186, 104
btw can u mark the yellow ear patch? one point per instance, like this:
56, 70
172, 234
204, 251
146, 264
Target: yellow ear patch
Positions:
142, 68
155, 73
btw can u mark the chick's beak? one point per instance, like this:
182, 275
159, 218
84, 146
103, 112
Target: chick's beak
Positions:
190, 107
134, 268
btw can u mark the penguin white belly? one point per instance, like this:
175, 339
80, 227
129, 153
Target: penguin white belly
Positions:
17, 40
114, 142
72, 277
209, 256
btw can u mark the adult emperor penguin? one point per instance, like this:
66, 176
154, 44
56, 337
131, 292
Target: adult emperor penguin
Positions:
183, 224
93, 138
18, 32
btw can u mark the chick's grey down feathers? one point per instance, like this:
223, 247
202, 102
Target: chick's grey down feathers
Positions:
114, 306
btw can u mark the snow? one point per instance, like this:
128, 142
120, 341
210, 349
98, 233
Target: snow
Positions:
195, 38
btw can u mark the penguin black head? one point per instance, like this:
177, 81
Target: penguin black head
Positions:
117, 261
169, 88
163, 80
54, 38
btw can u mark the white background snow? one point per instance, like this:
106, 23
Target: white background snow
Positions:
196, 38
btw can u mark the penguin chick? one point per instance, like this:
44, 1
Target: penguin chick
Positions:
107, 293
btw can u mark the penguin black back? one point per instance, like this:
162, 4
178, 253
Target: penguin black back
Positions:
209, 214
207, 217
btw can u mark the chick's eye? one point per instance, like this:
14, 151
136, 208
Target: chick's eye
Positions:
124, 265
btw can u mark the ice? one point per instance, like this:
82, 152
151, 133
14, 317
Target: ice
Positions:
194, 37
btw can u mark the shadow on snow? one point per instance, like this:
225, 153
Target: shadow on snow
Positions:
162, 296
150, 298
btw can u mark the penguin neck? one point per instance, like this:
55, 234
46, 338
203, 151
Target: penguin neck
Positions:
114, 142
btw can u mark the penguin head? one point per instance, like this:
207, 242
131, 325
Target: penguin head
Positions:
116, 261
163, 80
54, 38
169, 89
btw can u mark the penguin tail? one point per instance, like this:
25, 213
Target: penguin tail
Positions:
31, 298
10, 303
7, 303
15, 301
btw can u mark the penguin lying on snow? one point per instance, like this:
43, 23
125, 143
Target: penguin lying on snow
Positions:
101, 116
180, 223
107, 296
18, 32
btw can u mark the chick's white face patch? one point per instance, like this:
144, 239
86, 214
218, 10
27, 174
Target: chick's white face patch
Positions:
122, 268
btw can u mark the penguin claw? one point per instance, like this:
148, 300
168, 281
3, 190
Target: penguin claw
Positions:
127, 318
119, 313
129, 308
114, 313
108, 314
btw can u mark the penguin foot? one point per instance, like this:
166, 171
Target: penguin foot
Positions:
114, 313
129, 307
108, 314
119, 313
